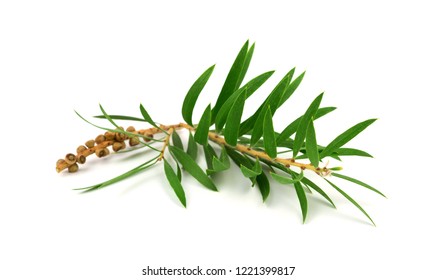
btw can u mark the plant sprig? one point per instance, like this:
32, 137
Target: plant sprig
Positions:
252, 144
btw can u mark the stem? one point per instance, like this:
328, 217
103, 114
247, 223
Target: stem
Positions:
281, 163
166, 142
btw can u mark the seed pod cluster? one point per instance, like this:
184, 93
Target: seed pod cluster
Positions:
100, 146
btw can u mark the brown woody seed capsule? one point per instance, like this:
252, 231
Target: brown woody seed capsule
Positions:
109, 135
148, 137
118, 146
70, 158
81, 149
90, 143
130, 129
120, 137
59, 162
100, 153
99, 139
134, 141
73, 168
81, 159
106, 151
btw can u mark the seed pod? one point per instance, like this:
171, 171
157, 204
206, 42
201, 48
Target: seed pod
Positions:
70, 158
59, 162
81, 149
120, 137
90, 143
130, 129
100, 153
148, 137
118, 146
73, 168
99, 139
109, 135
134, 141
106, 152
81, 159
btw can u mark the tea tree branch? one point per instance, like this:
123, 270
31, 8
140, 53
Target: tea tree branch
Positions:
252, 144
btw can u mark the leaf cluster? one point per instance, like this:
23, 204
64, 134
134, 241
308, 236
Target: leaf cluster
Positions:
252, 144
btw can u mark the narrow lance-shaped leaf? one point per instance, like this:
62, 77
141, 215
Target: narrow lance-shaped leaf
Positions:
346, 136
263, 184
251, 87
256, 122
120, 117
358, 183
292, 127
202, 131
193, 93
209, 154
269, 137
351, 200
304, 123
272, 100
233, 80
192, 147
231, 131
291, 88
176, 140
287, 180
174, 182
107, 116
351, 152
146, 116
261, 180
192, 168
302, 199
318, 190
311, 145
245, 66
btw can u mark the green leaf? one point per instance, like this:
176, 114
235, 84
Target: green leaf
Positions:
175, 182
202, 131
192, 168
318, 190
251, 87
193, 93
107, 116
302, 199
287, 180
291, 88
351, 200
192, 147
311, 145
234, 78
357, 182
269, 135
179, 172
224, 157
304, 123
292, 127
176, 140
218, 165
346, 136
231, 131
249, 173
146, 116
263, 185
136, 170
209, 154
261, 180
351, 152
255, 122
120, 117
245, 66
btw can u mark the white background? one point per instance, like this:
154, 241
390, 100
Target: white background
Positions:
373, 59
